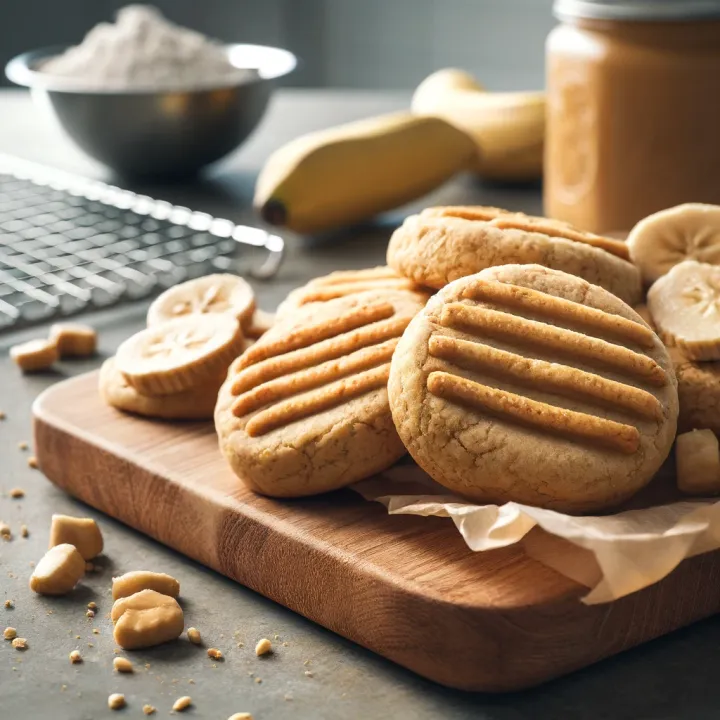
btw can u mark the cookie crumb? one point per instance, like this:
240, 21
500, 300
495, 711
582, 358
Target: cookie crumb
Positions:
20, 643
24, 532
9, 604
285, 644
5, 531
116, 701
276, 636
147, 666
182, 703
17, 493
2, 415
123, 665
10, 633
32, 462
288, 698
241, 716
194, 636
90, 645
263, 647
75, 657
241, 644
307, 662
96, 631
90, 613
23, 445
258, 680
191, 681
148, 709
63, 688
215, 654
92, 606
308, 673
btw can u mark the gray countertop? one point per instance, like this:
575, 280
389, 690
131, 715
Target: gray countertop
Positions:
674, 677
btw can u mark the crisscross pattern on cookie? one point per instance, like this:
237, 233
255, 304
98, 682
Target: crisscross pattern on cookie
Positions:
316, 367
504, 220
496, 319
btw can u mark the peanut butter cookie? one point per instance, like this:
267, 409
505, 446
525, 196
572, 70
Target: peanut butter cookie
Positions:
527, 384
446, 243
698, 392
305, 409
685, 307
195, 404
348, 282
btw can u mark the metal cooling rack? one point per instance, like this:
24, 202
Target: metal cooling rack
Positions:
69, 244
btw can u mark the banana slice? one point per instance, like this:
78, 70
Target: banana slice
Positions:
684, 232
222, 293
180, 354
685, 308
697, 456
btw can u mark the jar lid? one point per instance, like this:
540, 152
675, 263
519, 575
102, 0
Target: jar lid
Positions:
637, 9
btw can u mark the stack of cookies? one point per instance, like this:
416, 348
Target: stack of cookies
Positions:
502, 351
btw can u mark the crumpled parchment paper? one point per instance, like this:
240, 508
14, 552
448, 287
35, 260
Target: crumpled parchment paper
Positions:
613, 555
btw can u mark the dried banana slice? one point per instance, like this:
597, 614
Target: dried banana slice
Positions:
685, 307
666, 238
213, 294
35, 355
74, 340
698, 462
180, 354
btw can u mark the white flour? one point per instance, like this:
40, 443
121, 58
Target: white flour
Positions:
144, 51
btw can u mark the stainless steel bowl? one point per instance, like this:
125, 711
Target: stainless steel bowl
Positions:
158, 133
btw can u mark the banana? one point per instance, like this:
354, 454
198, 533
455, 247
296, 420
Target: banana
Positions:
685, 307
343, 175
666, 238
508, 128
180, 354
221, 293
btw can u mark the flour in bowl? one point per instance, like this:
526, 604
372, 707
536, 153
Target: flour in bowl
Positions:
144, 51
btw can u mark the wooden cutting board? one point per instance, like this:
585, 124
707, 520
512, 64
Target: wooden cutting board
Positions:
405, 587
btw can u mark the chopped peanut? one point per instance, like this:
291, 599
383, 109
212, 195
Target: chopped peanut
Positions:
194, 636
148, 709
24, 531
5, 531
83, 533
137, 580
32, 462
92, 605
75, 657
215, 654
17, 493
9, 604
116, 701
20, 643
241, 716
35, 355
182, 703
23, 445
145, 619
123, 665
10, 633
59, 571
263, 647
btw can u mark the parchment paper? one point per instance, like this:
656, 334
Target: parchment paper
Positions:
613, 555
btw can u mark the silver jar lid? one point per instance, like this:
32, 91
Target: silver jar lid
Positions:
650, 10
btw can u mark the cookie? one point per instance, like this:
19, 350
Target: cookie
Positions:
698, 392
347, 282
195, 404
685, 307
221, 293
527, 384
305, 409
697, 457
446, 243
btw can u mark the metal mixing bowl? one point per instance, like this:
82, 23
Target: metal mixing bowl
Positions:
158, 133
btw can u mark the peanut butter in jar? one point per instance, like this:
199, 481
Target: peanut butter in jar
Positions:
633, 123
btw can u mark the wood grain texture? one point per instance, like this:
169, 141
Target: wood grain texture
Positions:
404, 587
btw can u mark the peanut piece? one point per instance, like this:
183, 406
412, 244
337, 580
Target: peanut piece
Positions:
215, 654
34, 355
148, 710
263, 647
241, 716
697, 456
116, 701
83, 533
137, 580
58, 572
182, 703
75, 657
123, 665
20, 643
17, 493
194, 636
5, 531
145, 619
73, 340
10, 633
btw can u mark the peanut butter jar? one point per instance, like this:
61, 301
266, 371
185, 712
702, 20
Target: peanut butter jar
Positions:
633, 110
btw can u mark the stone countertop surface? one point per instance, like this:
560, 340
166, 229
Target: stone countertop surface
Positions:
674, 677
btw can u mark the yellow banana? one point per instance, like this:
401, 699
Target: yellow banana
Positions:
509, 128
343, 175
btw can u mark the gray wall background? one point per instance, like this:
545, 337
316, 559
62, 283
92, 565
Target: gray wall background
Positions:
343, 43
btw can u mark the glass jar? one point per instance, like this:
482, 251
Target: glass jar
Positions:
633, 119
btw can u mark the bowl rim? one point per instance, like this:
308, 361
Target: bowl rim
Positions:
21, 70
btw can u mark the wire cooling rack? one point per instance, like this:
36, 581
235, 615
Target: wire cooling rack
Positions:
68, 244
